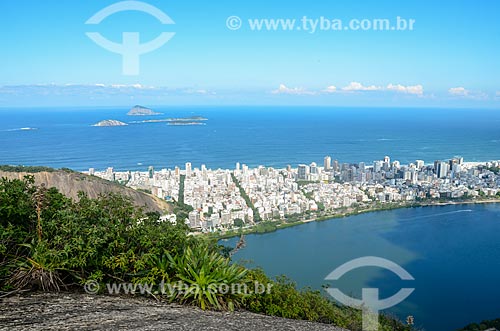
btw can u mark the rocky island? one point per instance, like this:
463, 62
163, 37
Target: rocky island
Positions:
141, 111
110, 123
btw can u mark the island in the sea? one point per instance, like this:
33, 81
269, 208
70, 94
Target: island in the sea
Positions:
142, 111
185, 123
191, 120
110, 123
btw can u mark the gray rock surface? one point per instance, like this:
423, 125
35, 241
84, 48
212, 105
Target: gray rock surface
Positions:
73, 311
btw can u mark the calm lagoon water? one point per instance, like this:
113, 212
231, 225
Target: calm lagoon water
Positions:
453, 252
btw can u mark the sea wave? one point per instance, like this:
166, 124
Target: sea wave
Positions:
21, 129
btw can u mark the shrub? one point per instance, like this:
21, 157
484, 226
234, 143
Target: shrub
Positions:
48, 241
201, 273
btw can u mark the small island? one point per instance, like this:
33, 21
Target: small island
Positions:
142, 111
110, 123
193, 120
184, 123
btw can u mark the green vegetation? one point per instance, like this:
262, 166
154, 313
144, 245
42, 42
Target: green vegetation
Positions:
181, 209
203, 270
484, 325
140, 189
182, 179
256, 215
238, 222
28, 169
46, 236
495, 170
50, 242
285, 300
264, 227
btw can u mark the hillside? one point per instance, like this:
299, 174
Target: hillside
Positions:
70, 183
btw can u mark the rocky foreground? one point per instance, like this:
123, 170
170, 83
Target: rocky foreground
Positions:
73, 311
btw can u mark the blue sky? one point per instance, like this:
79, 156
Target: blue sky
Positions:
450, 59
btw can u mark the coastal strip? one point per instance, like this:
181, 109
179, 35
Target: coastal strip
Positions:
228, 202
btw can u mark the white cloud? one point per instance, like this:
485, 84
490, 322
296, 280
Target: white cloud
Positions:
283, 89
133, 86
330, 89
101, 90
415, 89
465, 93
355, 86
459, 91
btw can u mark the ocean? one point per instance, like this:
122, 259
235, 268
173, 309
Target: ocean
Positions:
269, 136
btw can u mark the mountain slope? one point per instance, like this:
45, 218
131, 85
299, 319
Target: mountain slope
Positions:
70, 183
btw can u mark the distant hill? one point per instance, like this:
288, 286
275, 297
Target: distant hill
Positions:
70, 183
141, 111
110, 123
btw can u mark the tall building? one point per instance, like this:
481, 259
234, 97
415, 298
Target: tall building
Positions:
110, 174
456, 160
442, 169
237, 166
387, 163
313, 168
420, 164
335, 165
303, 171
436, 166
151, 171
188, 169
194, 219
327, 163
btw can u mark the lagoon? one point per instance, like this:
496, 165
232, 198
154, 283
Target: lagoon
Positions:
453, 252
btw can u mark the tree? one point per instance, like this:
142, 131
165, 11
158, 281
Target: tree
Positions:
238, 222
